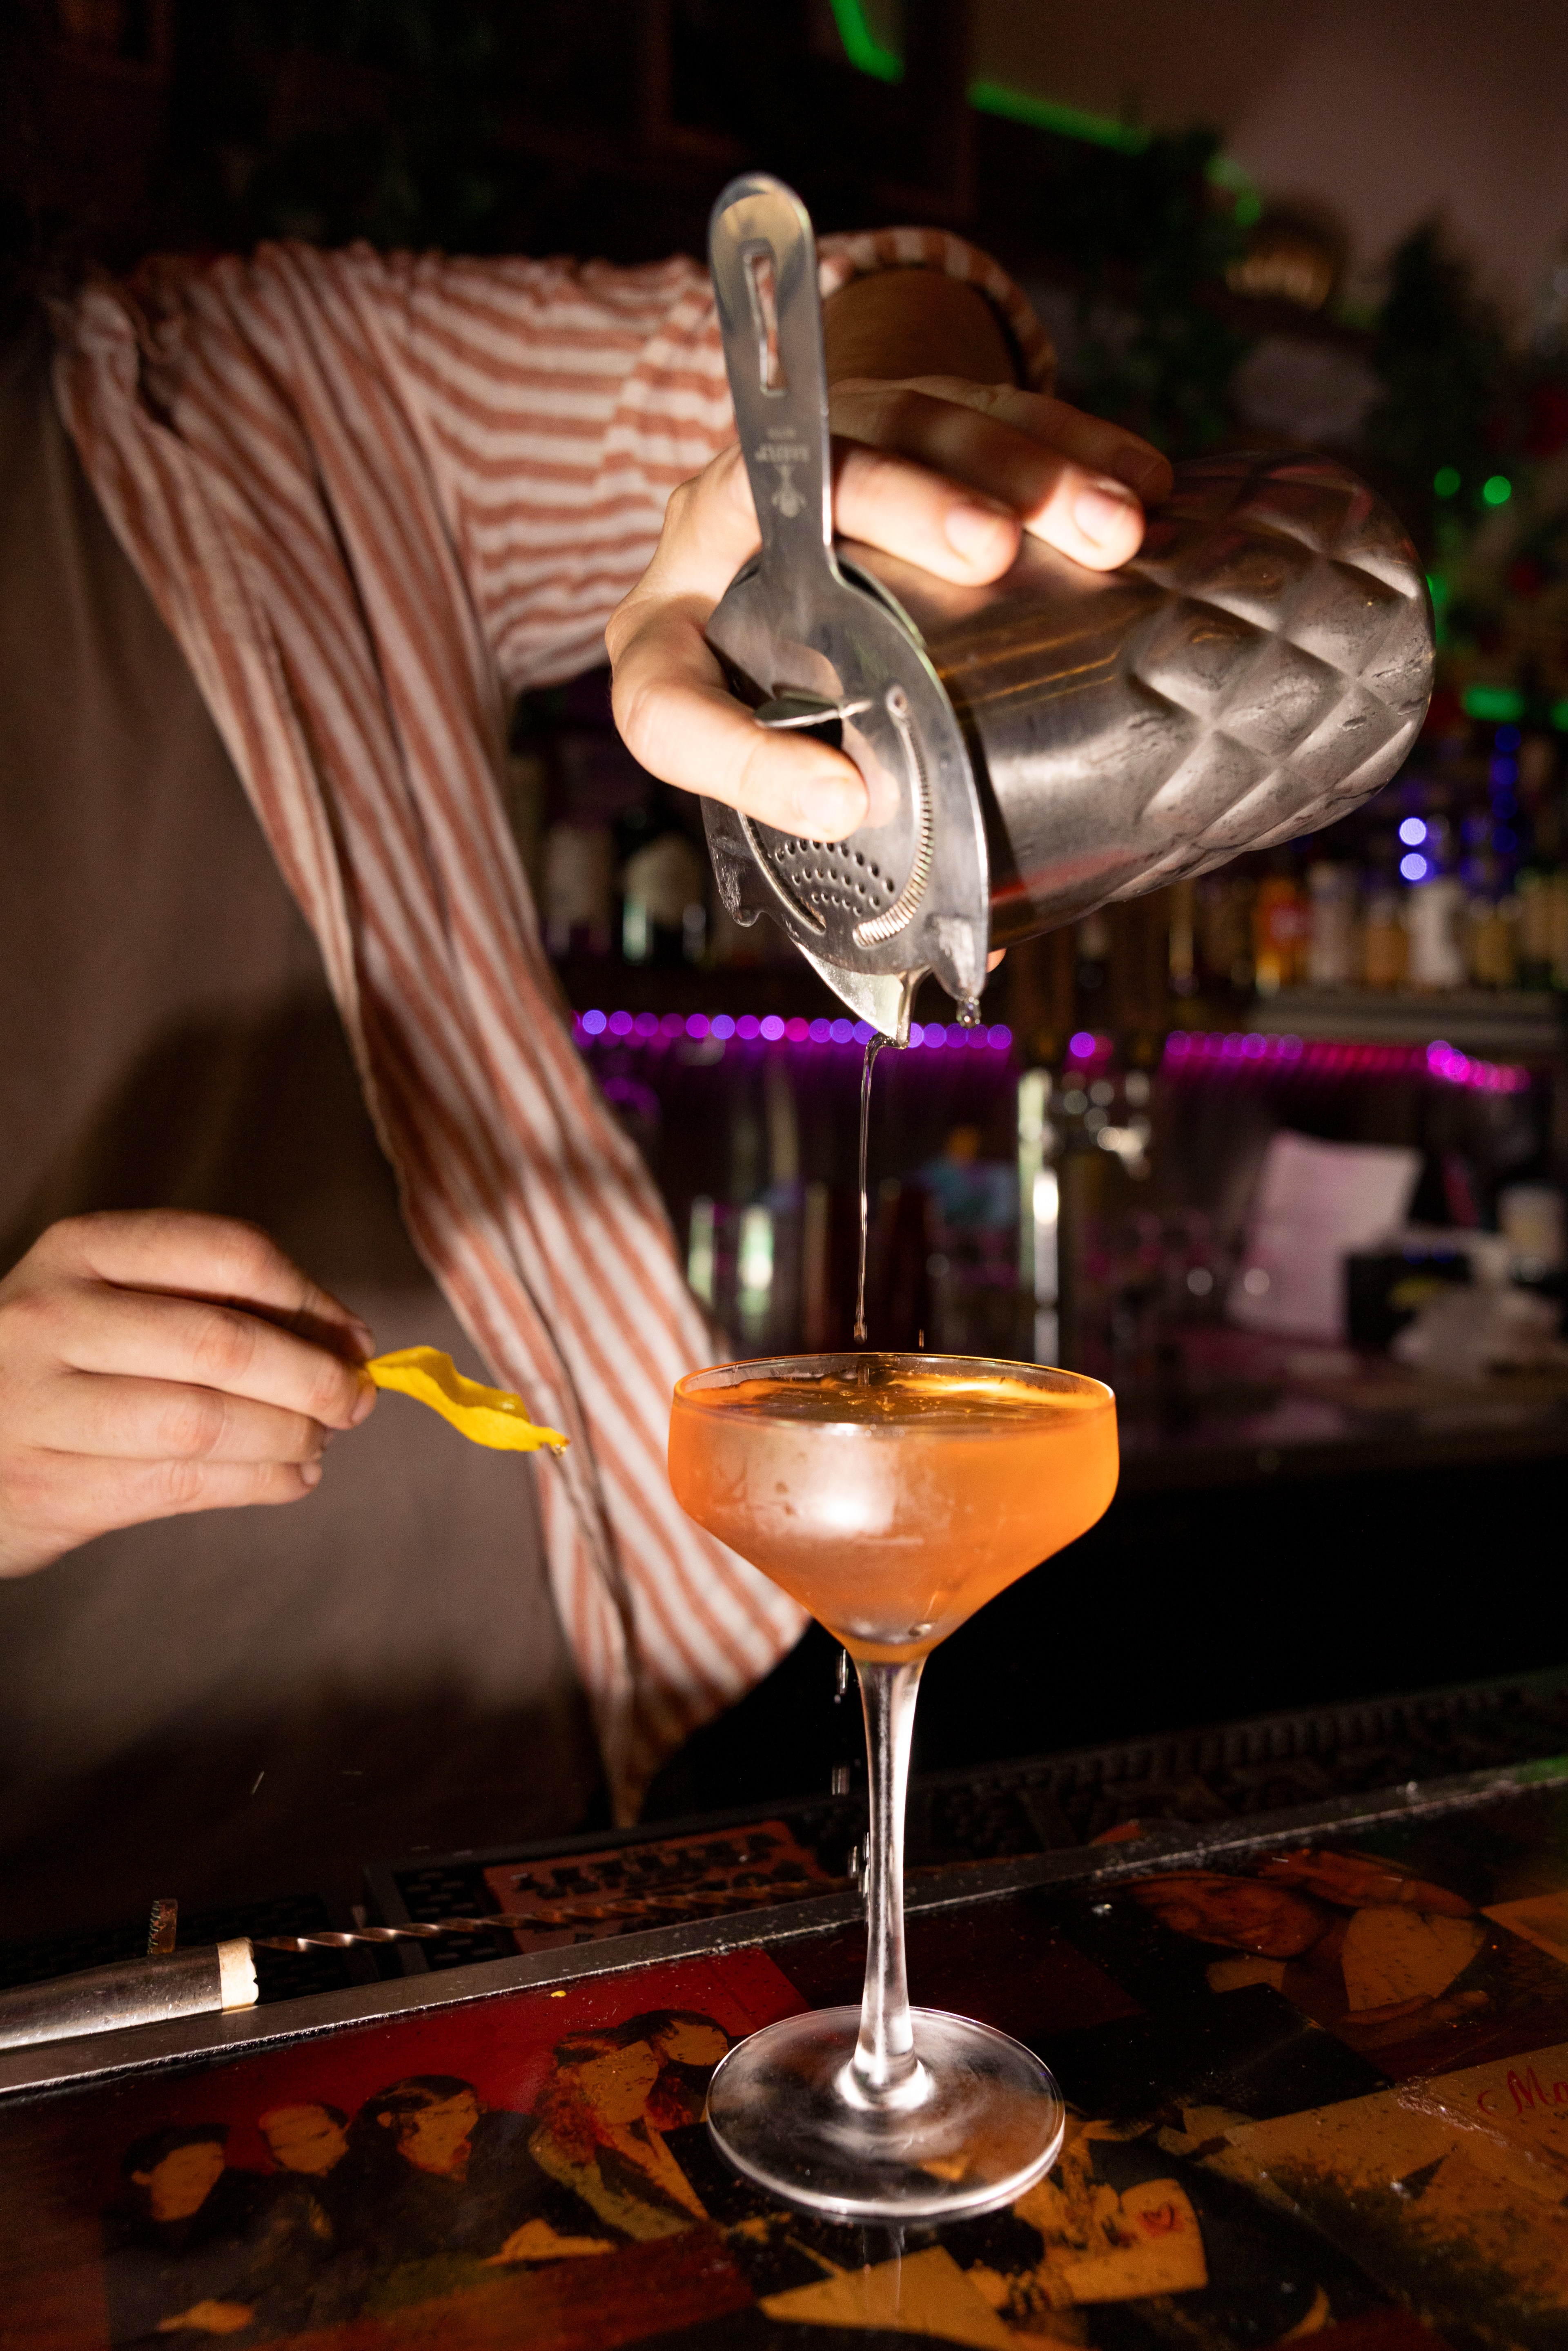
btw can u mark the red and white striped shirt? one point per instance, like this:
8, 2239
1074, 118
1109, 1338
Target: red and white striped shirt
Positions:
372, 498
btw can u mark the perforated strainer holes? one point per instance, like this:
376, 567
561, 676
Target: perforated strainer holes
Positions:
830, 873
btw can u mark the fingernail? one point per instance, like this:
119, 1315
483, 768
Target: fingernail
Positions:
364, 1403
365, 1335
979, 533
1101, 510
832, 805
310, 1473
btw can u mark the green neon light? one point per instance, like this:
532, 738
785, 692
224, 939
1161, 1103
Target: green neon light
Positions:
1438, 589
1445, 481
1066, 122
861, 46
1497, 490
1500, 705
1558, 713
868, 55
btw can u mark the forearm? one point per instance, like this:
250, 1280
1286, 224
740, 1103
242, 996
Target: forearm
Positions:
897, 323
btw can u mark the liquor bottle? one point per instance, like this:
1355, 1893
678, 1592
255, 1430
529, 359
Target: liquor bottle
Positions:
1385, 944
1279, 930
1223, 912
1330, 947
1434, 919
664, 902
1491, 941
579, 872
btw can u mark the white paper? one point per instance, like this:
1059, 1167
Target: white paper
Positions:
1315, 1202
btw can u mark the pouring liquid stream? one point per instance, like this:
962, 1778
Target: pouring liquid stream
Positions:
873, 1047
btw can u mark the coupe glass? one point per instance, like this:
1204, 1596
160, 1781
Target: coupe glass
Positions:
893, 1496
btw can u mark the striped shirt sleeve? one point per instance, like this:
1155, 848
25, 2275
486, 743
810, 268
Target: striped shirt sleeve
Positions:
561, 402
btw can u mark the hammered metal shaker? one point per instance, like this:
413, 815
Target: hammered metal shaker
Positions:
1062, 736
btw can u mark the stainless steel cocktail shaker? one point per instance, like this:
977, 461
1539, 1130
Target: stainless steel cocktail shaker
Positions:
1064, 737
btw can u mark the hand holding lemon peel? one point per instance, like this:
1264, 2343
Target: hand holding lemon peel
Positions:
492, 1416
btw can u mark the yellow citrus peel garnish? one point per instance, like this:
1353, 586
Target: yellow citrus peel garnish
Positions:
492, 1416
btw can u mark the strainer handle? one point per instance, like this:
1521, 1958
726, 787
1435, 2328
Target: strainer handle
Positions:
763, 260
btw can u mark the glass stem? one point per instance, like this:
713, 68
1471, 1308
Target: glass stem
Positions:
885, 2053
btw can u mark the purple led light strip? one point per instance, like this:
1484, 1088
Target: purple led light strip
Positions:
1207, 1053
645, 1028
1187, 1052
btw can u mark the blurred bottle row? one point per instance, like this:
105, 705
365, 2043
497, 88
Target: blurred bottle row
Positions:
1091, 1213
616, 861
1455, 876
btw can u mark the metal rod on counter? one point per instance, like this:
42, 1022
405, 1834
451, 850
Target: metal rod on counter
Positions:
213, 1976
201, 1982
576, 1914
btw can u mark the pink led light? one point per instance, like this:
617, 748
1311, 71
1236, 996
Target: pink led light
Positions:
1195, 1051
649, 1028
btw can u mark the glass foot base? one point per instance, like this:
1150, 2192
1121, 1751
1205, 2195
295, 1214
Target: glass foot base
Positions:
982, 2124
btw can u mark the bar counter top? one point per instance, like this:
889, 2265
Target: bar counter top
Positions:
1316, 2064
1228, 1407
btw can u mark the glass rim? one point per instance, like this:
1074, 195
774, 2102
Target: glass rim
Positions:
690, 1385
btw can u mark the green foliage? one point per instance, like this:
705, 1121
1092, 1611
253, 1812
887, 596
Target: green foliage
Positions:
1148, 240
1440, 354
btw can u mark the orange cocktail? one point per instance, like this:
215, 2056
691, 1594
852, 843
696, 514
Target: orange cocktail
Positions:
893, 1495
893, 1501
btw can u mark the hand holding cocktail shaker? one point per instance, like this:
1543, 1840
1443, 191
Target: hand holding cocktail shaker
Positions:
1064, 737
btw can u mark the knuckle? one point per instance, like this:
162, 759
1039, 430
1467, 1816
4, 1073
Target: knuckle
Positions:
26, 1488
195, 1424
279, 1482
330, 1391
248, 1254
178, 1484
224, 1346
879, 475
679, 505
28, 1320
632, 713
904, 409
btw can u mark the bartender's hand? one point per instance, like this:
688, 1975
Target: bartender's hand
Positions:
156, 1362
938, 457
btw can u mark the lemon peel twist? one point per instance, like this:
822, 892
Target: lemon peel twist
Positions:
492, 1416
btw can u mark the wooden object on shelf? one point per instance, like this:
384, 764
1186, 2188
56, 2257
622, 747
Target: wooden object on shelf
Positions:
1505, 1024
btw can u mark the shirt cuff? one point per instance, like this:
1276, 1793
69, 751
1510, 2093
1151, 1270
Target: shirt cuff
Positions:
859, 253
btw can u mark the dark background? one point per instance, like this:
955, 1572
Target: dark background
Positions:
129, 125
